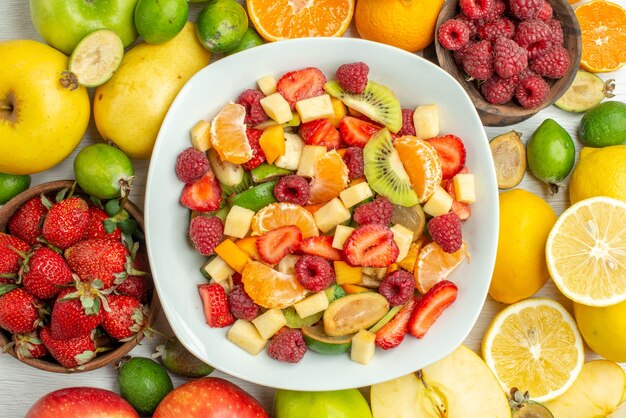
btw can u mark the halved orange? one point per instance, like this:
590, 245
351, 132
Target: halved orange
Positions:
228, 134
270, 288
434, 265
276, 20
603, 29
281, 214
331, 178
422, 164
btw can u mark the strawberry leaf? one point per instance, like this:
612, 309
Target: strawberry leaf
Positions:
109, 226
128, 225
112, 207
6, 288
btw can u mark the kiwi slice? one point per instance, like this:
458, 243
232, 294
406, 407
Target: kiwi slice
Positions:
296, 321
94, 60
384, 170
243, 185
377, 102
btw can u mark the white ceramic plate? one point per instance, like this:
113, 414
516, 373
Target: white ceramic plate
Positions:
175, 264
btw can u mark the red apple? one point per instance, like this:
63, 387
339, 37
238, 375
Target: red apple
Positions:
209, 397
81, 402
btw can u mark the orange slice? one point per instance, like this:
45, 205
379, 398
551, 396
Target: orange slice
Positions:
276, 20
331, 178
422, 164
434, 265
281, 214
228, 134
270, 288
603, 29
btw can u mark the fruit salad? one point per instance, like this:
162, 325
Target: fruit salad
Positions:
331, 216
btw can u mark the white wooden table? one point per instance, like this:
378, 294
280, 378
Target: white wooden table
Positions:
21, 385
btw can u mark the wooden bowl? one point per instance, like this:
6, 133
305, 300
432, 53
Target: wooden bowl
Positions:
511, 113
107, 357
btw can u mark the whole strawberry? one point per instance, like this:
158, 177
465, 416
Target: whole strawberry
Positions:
139, 286
9, 258
44, 272
26, 222
100, 259
69, 352
96, 228
29, 346
20, 312
77, 311
125, 318
66, 222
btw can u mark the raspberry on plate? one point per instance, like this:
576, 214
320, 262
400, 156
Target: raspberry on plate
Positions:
509, 58
288, 345
526, 9
478, 60
408, 128
353, 77
314, 273
453, 34
553, 64
205, 233
292, 189
397, 287
532, 91
353, 158
378, 211
498, 90
446, 230
475, 9
191, 165
251, 100
241, 304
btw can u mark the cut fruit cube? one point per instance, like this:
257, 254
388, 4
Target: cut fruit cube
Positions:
245, 335
277, 108
408, 262
312, 304
290, 160
232, 255
403, 238
272, 142
355, 194
318, 107
342, 233
426, 121
201, 136
248, 245
363, 346
308, 158
238, 222
330, 215
439, 203
269, 322
464, 188
351, 289
346, 274
340, 111
287, 264
218, 269
267, 84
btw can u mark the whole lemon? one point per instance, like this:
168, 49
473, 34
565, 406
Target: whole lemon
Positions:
603, 329
599, 172
521, 270
406, 24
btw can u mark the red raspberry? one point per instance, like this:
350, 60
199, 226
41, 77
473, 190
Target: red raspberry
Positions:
525, 9
251, 100
557, 31
532, 91
509, 58
470, 23
498, 90
353, 77
495, 11
496, 28
475, 9
287, 345
523, 75
354, 161
241, 304
258, 156
191, 165
397, 287
478, 60
292, 189
407, 123
314, 273
534, 36
453, 34
446, 231
205, 233
378, 211
545, 13
552, 64
459, 54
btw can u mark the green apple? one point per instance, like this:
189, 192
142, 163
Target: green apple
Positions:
348, 403
64, 23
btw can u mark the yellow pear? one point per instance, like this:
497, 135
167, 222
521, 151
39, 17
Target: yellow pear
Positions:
131, 106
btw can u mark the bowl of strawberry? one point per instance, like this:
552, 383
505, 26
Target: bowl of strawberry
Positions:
75, 286
513, 58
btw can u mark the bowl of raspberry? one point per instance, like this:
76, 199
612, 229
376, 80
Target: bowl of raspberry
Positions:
77, 294
311, 217
513, 57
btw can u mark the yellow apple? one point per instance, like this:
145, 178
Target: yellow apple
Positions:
41, 122
620, 412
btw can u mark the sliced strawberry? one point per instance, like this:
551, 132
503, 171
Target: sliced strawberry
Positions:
357, 132
371, 245
393, 332
451, 152
462, 209
258, 156
320, 132
279, 242
301, 84
321, 246
215, 305
204, 195
431, 306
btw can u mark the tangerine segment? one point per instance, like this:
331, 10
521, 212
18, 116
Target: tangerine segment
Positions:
603, 29
422, 164
331, 178
280, 214
276, 20
228, 134
434, 265
270, 288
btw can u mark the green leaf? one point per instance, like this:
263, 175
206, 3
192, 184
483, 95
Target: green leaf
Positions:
112, 207
61, 195
97, 283
128, 225
6, 288
96, 202
109, 226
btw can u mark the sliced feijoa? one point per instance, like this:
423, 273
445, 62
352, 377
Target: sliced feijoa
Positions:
267, 172
296, 321
377, 102
388, 317
317, 340
509, 158
522, 407
94, 60
586, 91
384, 170
354, 312
177, 359
256, 197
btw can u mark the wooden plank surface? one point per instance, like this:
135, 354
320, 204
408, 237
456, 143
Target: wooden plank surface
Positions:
20, 385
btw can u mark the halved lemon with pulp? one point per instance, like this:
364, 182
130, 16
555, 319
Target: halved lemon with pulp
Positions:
534, 345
